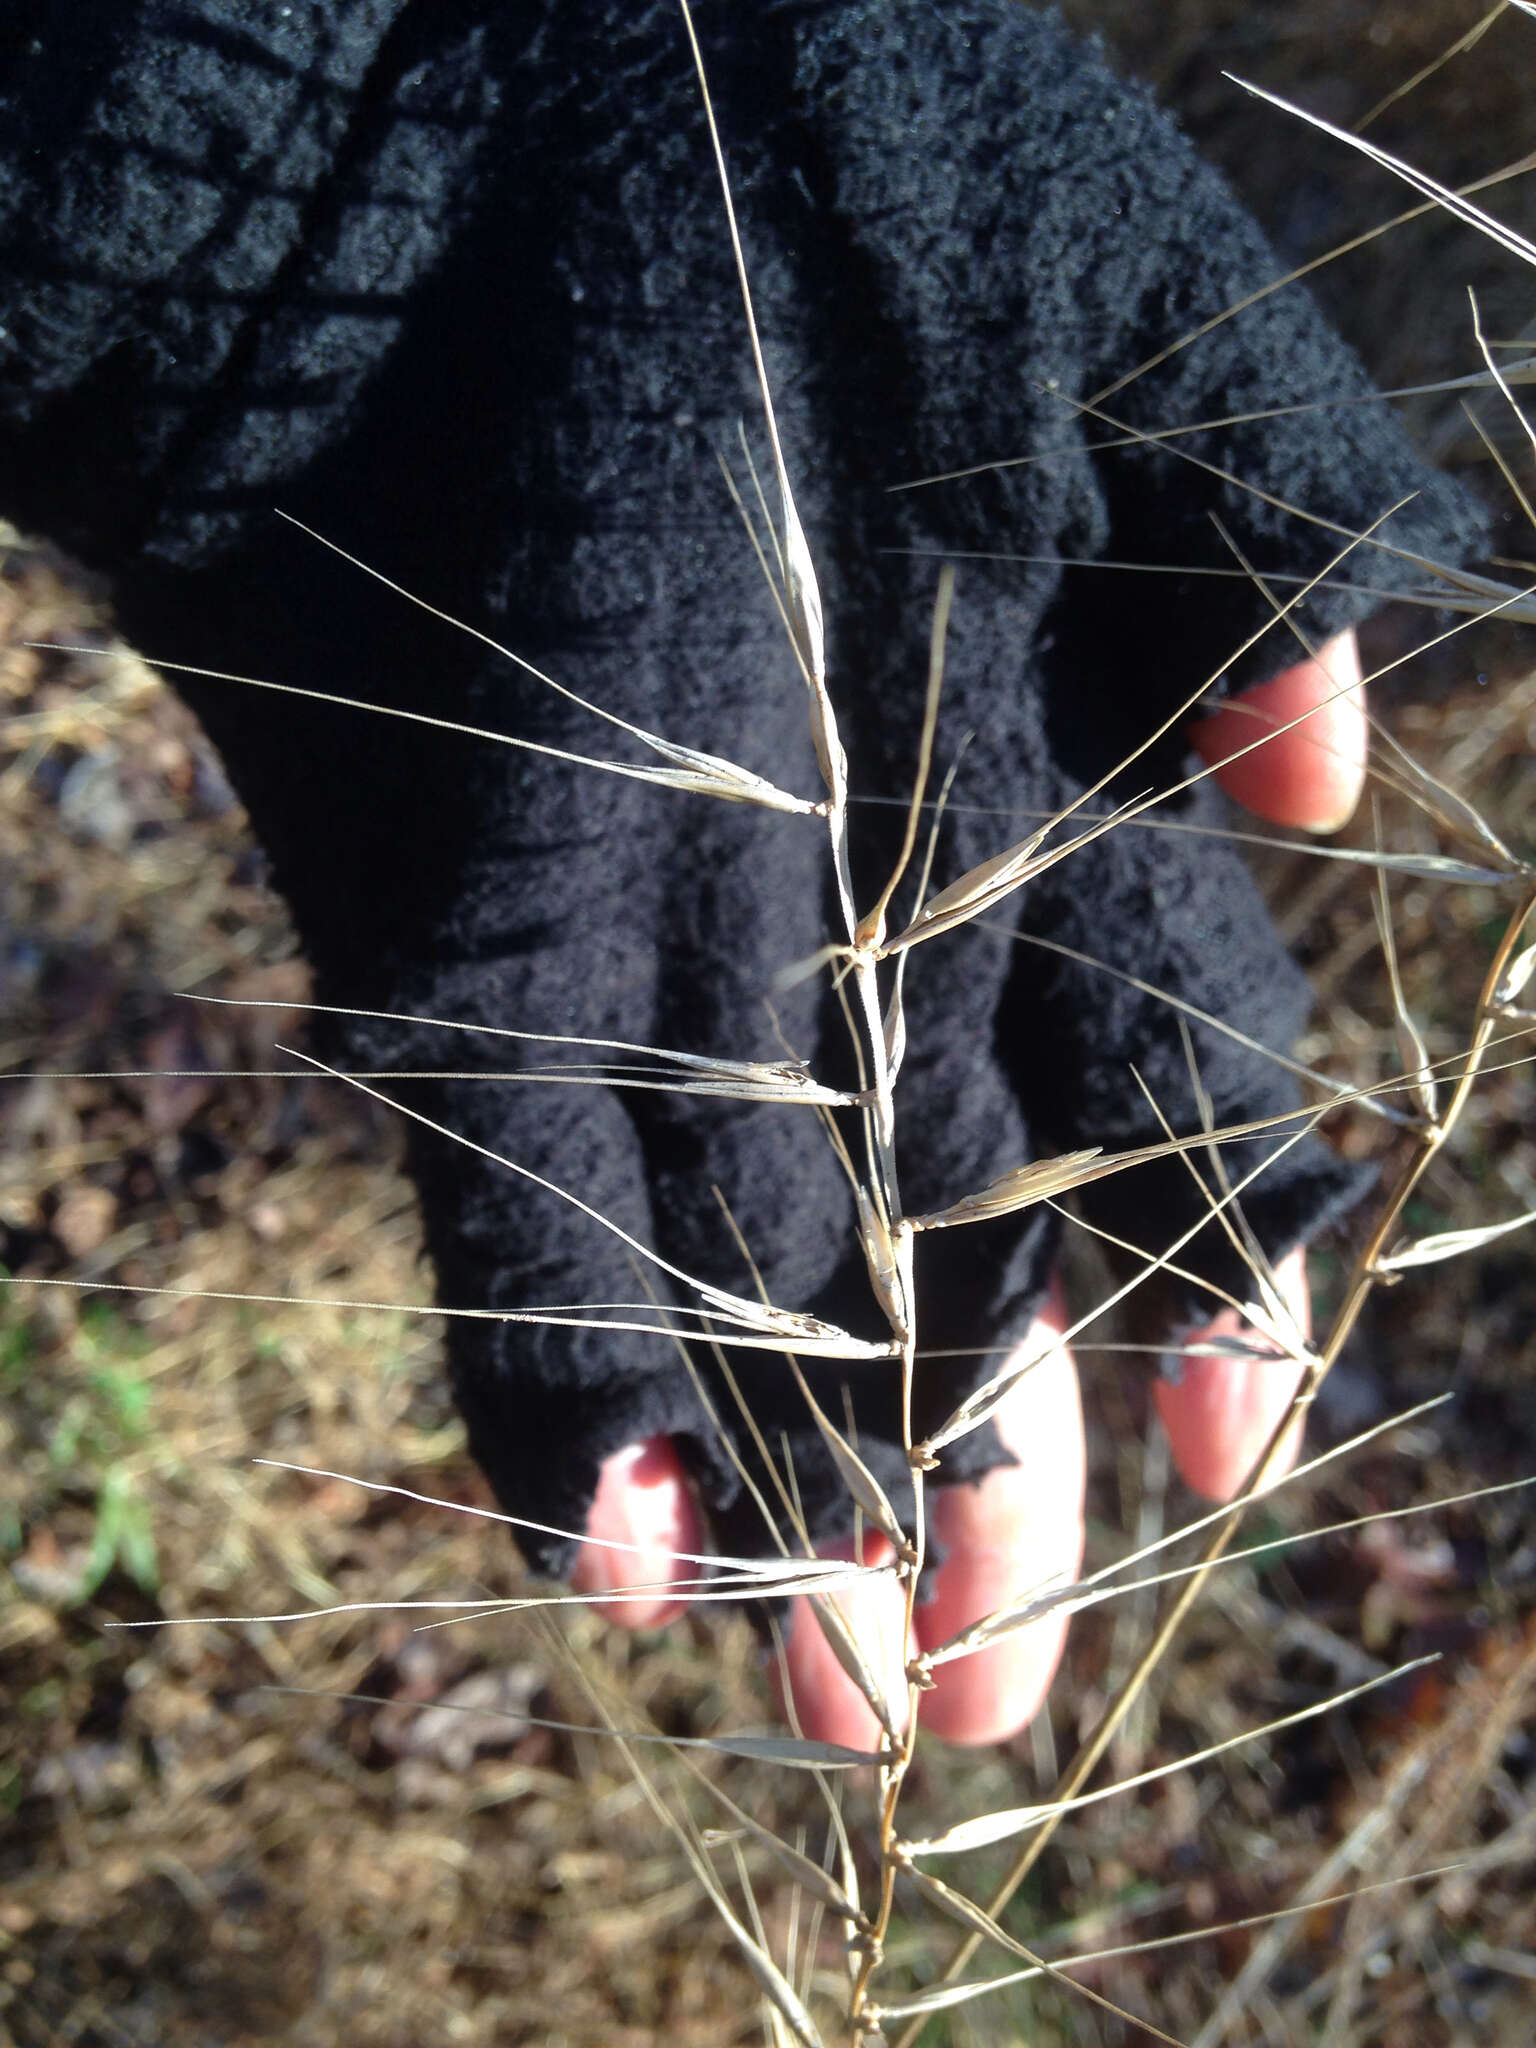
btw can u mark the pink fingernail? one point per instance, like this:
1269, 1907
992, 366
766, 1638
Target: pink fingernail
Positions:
642, 1515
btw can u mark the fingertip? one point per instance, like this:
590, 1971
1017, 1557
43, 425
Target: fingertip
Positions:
642, 1516
828, 1705
1017, 1530
1221, 1411
1220, 1416
1308, 776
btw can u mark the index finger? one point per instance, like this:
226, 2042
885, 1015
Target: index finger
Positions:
1308, 775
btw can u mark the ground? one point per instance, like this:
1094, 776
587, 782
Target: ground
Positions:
195, 1852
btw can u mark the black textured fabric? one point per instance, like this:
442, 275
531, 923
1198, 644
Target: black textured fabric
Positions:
449, 281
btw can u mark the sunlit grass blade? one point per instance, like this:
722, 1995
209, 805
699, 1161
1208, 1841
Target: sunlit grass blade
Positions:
1427, 867
1507, 238
580, 1318
1093, 1592
1450, 1244
982, 1403
1411, 1049
1501, 378
802, 592
981, 1924
976, 890
1462, 44
1019, 1188
809, 1571
770, 1979
807, 1874
987, 1829
1513, 981
992, 880
1518, 372
1205, 1017
850, 1653
888, 1256
806, 1331
764, 1080
709, 774
860, 1484
1047, 1179
1447, 588
822, 1579
872, 926
551, 1075
941, 1998
704, 774
1443, 805
775, 1749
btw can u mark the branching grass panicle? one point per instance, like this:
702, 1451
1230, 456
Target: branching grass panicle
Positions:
823, 1862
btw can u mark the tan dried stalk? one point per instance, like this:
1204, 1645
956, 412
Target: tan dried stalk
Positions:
888, 1233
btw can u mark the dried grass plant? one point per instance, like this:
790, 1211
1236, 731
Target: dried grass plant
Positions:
823, 1887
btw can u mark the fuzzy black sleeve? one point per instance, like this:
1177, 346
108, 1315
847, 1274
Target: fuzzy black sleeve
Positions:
450, 283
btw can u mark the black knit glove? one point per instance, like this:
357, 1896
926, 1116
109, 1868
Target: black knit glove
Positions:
451, 283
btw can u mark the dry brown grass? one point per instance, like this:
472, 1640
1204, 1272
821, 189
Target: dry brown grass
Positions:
190, 1857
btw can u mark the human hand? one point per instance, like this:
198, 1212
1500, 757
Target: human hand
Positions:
957, 242
1021, 1526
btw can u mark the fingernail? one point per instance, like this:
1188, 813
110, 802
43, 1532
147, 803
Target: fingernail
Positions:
642, 1516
